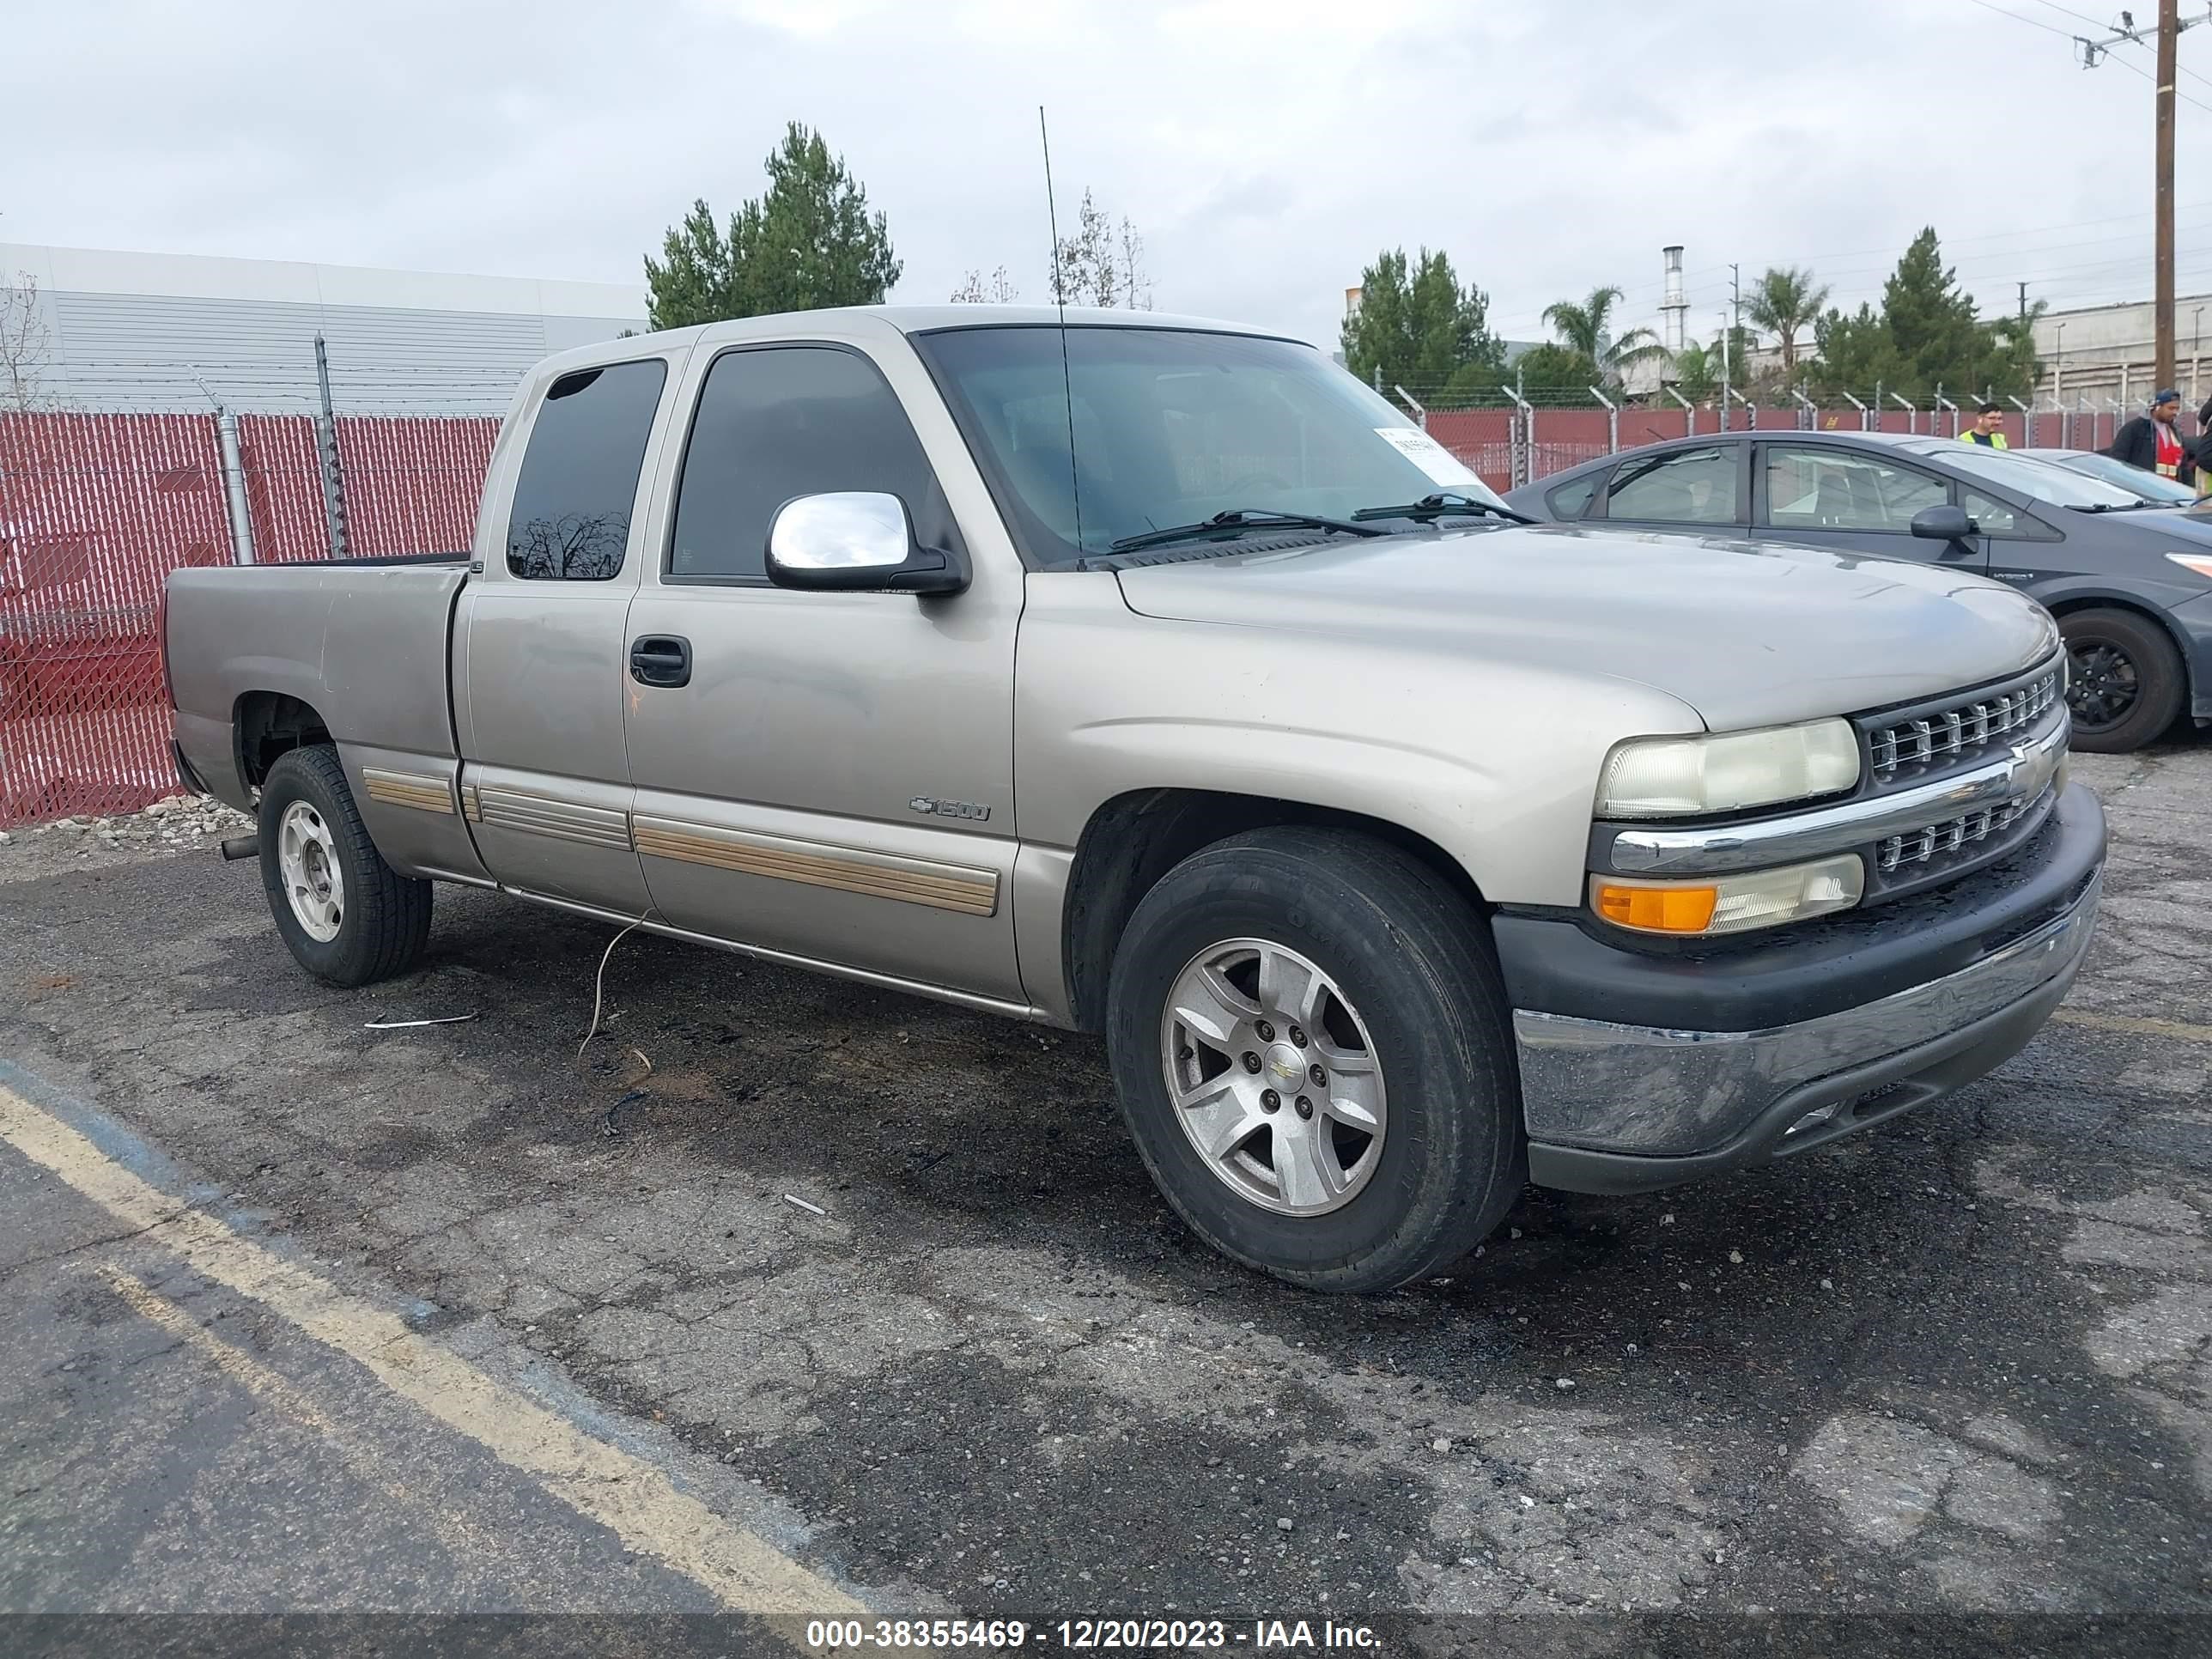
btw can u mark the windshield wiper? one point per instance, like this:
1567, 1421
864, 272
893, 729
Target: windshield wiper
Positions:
1238, 519
1446, 504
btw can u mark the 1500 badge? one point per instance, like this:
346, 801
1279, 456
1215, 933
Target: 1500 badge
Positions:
949, 809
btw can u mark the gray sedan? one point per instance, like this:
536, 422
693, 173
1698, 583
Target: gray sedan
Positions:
2130, 580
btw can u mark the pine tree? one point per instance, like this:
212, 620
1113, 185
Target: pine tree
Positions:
1418, 328
809, 241
1926, 335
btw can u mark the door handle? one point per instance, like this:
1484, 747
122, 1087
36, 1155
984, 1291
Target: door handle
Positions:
661, 660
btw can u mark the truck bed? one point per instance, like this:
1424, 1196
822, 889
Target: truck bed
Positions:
364, 645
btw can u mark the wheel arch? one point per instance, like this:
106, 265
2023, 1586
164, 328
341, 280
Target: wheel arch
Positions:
267, 725
1134, 839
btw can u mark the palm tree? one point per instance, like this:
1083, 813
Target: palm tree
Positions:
1581, 327
1785, 301
1696, 371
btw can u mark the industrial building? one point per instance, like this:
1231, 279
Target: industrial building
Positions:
156, 331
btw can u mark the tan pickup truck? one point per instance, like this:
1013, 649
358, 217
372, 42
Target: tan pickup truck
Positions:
1156, 679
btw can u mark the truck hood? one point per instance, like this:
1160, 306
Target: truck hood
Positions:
1745, 634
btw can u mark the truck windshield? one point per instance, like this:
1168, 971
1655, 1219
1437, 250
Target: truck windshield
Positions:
1173, 426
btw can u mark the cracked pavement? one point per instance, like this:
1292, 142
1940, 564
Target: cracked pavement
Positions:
1958, 1364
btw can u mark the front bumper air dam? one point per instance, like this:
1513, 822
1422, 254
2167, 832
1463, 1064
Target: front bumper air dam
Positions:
1608, 1106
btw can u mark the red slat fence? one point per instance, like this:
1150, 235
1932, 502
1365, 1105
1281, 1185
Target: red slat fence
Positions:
95, 510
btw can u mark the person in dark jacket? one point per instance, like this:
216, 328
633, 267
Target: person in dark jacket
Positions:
2151, 442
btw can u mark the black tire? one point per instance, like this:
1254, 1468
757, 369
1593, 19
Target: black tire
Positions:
1407, 951
384, 921
2126, 677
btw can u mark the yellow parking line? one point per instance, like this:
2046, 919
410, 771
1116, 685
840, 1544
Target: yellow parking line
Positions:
2134, 1026
601, 1482
263, 1383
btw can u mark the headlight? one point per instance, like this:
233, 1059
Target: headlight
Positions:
1674, 777
2199, 562
1730, 905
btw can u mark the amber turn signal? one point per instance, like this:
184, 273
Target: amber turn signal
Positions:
1658, 910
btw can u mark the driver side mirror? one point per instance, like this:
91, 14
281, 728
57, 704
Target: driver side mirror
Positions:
1942, 524
856, 542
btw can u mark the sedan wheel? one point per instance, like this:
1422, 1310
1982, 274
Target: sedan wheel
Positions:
2103, 686
2124, 683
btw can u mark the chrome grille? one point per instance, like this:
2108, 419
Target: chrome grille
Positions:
1946, 733
1924, 845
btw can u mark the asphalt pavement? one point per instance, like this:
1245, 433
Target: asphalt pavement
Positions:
793, 1294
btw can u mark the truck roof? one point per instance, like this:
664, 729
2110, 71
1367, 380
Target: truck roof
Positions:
847, 321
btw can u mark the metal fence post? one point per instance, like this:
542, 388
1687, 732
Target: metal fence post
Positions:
1612, 421
1750, 409
1524, 436
235, 507
1689, 412
1912, 414
1809, 420
1421, 414
1943, 403
327, 441
1866, 415
2120, 414
2026, 420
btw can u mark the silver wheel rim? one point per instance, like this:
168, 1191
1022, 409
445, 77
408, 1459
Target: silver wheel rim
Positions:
1272, 1077
308, 858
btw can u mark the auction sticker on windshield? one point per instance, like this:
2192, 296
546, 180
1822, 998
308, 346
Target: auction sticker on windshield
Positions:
1433, 457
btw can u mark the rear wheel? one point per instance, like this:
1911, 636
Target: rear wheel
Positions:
2124, 682
345, 915
1309, 1036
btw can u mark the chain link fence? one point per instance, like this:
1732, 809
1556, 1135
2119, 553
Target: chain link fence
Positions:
1535, 432
95, 510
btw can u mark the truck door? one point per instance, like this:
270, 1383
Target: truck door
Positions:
827, 776
538, 648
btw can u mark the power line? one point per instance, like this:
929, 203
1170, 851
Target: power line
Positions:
2033, 24
2079, 16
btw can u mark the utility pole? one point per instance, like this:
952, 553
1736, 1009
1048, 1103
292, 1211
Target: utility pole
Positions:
2169, 40
2169, 29
2023, 302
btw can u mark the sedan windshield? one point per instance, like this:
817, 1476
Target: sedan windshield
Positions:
2117, 472
2043, 481
1176, 428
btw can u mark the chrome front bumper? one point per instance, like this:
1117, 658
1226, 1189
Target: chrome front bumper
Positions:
1613, 1108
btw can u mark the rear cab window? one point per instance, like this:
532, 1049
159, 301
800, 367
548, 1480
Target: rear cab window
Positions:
577, 487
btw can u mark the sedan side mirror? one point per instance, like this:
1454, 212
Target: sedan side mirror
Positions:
856, 542
1942, 524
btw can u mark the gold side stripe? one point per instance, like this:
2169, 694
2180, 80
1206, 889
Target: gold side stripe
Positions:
425, 792
472, 804
877, 875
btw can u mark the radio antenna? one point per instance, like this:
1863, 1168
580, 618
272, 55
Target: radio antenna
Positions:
1059, 296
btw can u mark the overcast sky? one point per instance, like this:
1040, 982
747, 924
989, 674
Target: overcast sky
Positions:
1266, 149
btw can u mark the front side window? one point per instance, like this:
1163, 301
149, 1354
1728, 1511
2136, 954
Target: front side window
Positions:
1813, 488
1688, 486
569, 520
1171, 427
778, 421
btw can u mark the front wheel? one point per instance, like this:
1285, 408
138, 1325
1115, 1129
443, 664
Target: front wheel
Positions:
1307, 1033
345, 915
2124, 679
